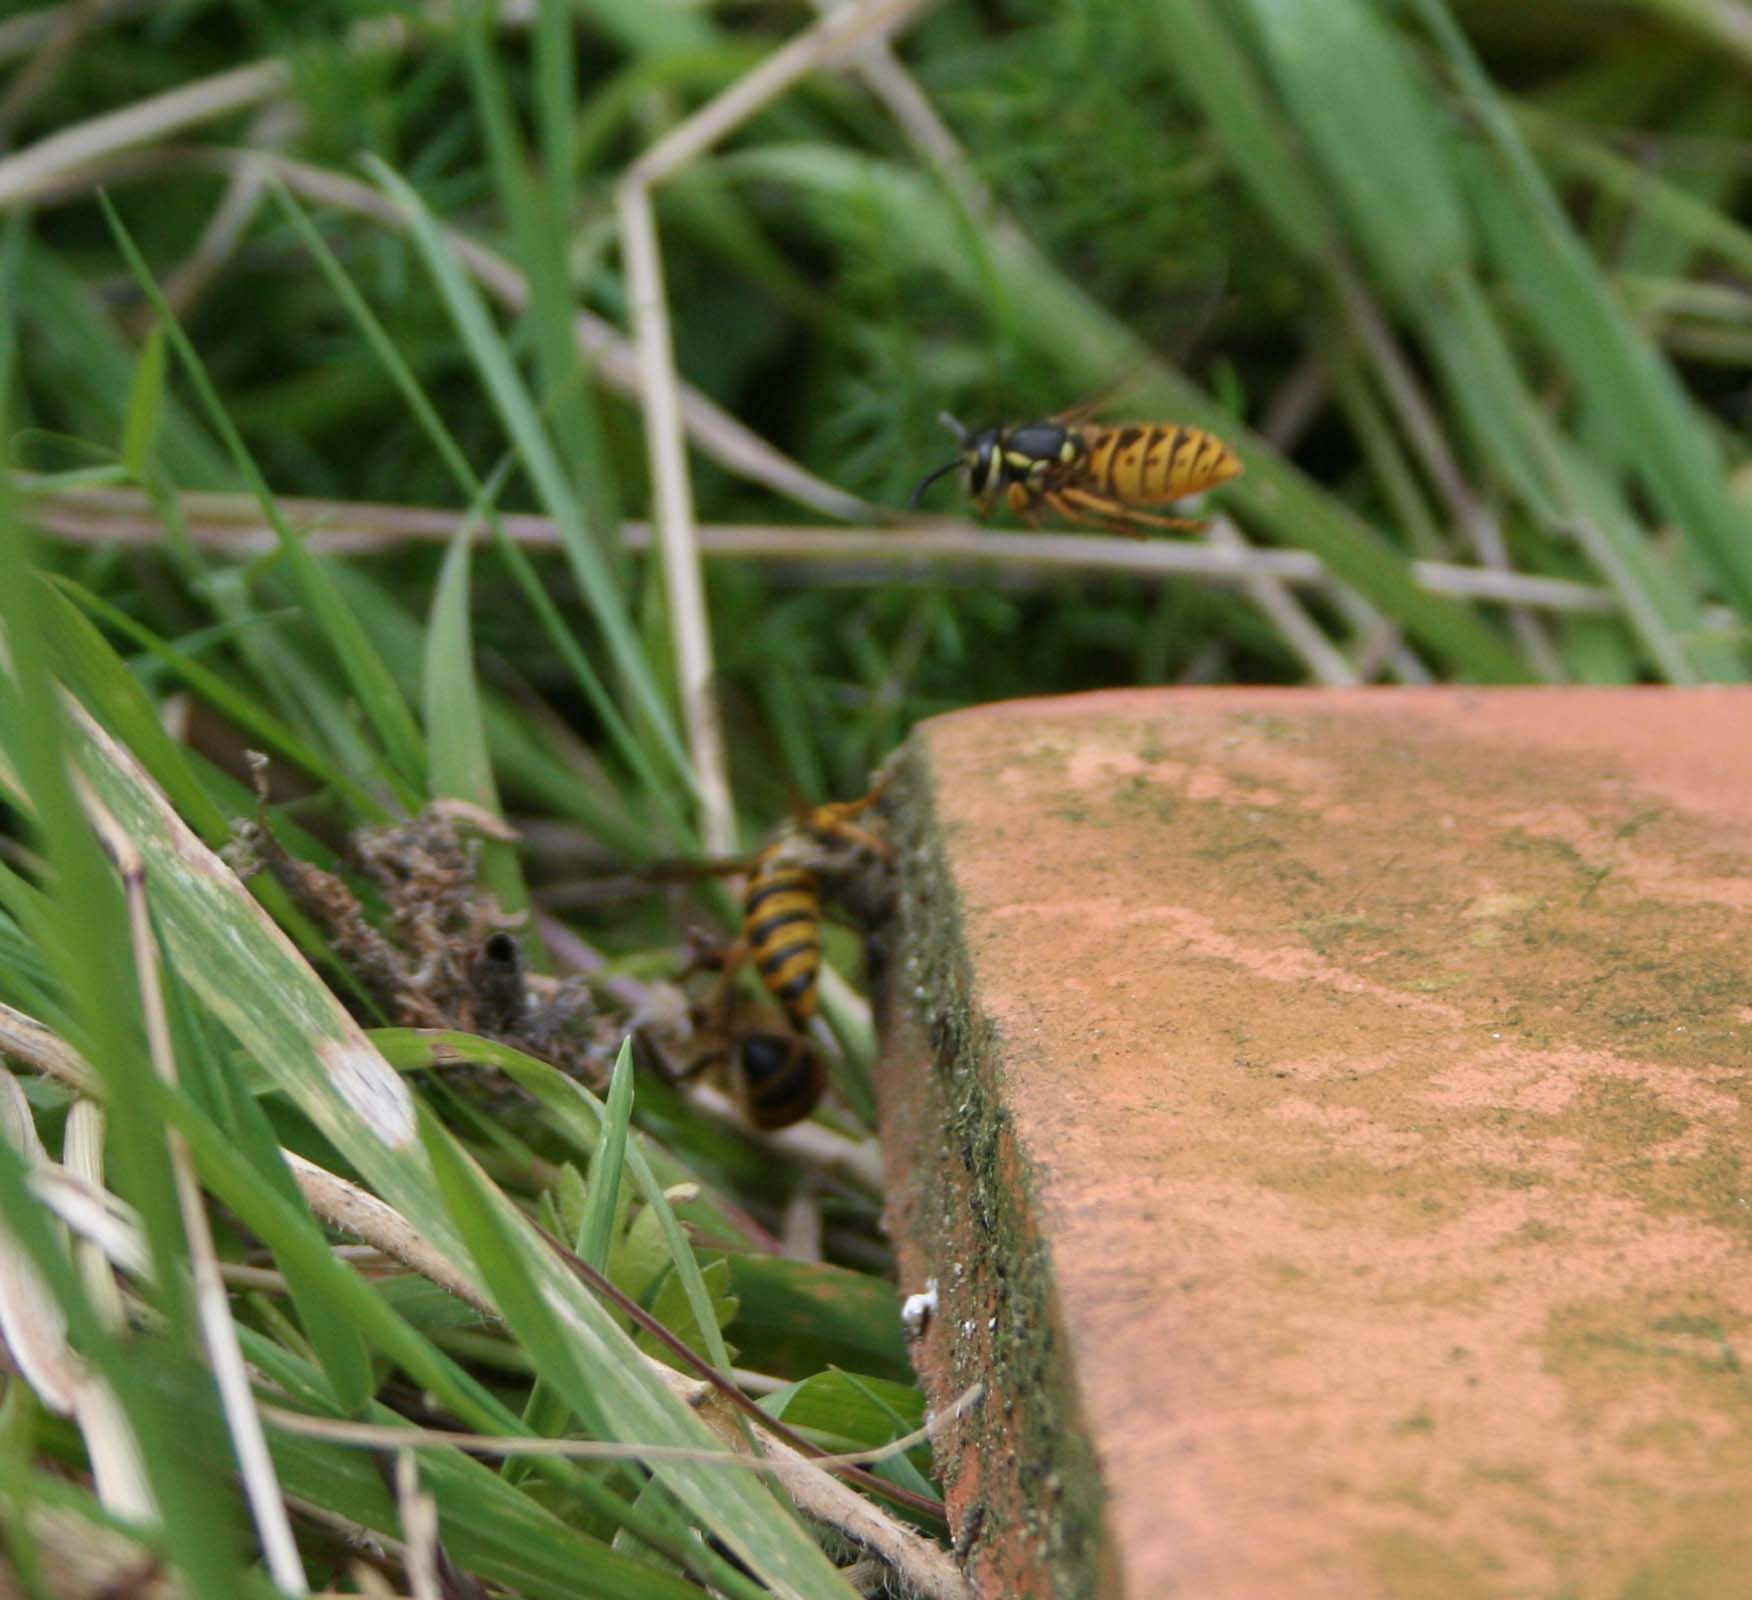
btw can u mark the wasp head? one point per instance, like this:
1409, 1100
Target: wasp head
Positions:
980, 461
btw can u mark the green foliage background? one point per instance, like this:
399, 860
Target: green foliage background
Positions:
1465, 285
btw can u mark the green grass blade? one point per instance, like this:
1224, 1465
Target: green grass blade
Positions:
523, 424
1382, 149
539, 209
370, 679
462, 766
1563, 488
261, 727
253, 981
547, 1411
84, 661
531, 749
1213, 70
431, 423
197, 1524
299, 1245
85, 358
145, 406
575, 1114
95, 981
1631, 388
601, 1201
574, 1355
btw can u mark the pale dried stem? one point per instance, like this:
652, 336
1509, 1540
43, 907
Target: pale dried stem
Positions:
659, 381
820, 45
418, 1514
163, 115
234, 523
34, 1328
47, 162
406, 1439
673, 511
1292, 409
1296, 403
53, 51
238, 203
212, 1304
1380, 644
82, 1153
1326, 663
346, 1206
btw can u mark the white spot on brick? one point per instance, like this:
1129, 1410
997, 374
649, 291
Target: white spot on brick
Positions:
918, 1309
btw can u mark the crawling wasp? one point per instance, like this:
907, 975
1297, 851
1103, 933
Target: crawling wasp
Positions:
1091, 473
781, 905
769, 1064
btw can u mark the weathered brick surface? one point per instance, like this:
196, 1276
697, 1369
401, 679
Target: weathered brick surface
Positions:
1328, 1118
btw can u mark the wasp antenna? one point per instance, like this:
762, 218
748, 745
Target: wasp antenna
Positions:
930, 478
953, 424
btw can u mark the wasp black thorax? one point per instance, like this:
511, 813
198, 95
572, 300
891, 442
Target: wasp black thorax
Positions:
994, 459
1025, 453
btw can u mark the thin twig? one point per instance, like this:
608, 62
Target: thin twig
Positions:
1296, 402
1325, 662
344, 1205
238, 203
82, 1152
709, 1375
233, 522
51, 54
33, 1326
417, 1512
161, 116
837, 34
380, 1436
673, 511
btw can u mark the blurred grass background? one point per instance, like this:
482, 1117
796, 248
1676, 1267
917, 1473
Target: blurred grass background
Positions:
1466, 284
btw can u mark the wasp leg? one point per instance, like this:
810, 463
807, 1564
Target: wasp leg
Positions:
849, 833
702, 1063
723, 998
1094, 510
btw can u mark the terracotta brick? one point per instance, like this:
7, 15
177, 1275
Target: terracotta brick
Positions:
1328, 1118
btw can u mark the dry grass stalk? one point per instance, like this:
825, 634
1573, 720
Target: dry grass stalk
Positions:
233, 522
659, 382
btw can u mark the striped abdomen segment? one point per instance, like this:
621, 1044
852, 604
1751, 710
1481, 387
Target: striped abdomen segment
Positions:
781, 925
1147, 463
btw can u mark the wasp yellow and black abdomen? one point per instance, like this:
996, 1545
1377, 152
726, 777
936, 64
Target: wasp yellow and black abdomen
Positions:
1146, 464
781, 926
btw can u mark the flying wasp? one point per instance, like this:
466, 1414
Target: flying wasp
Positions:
1090, 473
